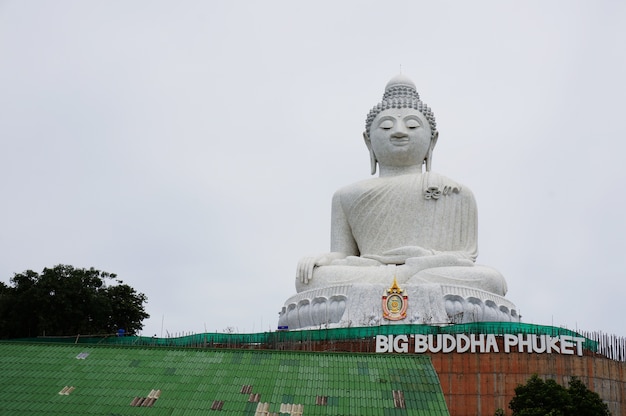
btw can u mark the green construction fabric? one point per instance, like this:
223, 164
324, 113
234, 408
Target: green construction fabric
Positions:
91, 379
274, 339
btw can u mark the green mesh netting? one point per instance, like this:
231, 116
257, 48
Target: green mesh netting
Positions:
272, 339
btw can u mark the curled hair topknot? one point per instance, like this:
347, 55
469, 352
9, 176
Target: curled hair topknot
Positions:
400, 92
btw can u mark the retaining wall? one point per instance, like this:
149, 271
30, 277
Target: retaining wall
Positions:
479, 384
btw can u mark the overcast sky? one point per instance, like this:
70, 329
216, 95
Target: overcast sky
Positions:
193, 147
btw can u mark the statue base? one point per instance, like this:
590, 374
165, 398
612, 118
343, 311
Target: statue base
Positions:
362, 305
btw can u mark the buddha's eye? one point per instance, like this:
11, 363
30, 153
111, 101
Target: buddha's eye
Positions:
386, 124
412, 123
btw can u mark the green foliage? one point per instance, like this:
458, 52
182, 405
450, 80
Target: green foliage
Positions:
66, 301
586, 402
540, 398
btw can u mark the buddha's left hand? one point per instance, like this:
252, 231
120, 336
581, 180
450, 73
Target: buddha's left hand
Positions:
443, 259
400, 255
422, 257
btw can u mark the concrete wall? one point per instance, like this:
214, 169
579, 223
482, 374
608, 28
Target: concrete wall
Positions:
478, 384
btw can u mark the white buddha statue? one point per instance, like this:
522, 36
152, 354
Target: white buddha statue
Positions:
409, 223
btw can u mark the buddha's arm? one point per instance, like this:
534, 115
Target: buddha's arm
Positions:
342, 243
341, 238
304, 272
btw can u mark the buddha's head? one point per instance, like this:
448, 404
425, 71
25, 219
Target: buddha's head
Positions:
401, 130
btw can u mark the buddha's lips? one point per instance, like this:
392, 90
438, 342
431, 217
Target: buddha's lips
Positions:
399, 142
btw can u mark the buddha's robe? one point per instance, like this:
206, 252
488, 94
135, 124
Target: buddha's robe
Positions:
425, 211
390, 212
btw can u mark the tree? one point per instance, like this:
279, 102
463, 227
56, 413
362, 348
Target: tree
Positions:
586, 402
541, 398
64, 300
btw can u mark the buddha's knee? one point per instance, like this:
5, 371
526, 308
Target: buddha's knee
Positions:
333, 275
477, 276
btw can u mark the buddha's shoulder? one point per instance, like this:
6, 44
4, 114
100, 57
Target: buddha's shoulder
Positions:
447, 187
441, 181
418, 182
358, 188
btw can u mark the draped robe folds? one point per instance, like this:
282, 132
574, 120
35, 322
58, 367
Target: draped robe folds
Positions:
391, 212
373, 216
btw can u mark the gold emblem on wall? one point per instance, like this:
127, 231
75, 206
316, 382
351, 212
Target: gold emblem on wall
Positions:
395, 303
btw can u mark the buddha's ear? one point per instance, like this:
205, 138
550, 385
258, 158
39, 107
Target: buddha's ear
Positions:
433, 141
429, 155
368, 143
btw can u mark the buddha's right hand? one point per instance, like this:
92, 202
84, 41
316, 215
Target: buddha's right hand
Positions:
304, 271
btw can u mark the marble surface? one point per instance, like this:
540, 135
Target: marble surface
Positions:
409, 224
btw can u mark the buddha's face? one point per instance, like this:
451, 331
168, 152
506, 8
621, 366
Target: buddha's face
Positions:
400, 137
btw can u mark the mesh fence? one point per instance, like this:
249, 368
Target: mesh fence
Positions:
274, 339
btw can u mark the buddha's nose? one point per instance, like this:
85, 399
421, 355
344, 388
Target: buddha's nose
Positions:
399, 132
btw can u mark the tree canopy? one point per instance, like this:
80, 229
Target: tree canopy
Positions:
540, 398
64, 300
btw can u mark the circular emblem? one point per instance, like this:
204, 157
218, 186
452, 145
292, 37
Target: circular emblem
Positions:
395, 303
